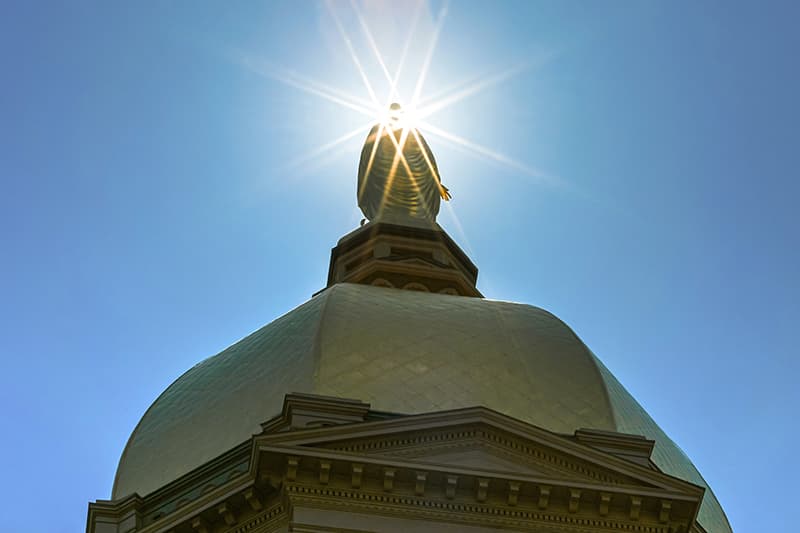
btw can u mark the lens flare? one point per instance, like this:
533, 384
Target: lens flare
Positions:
429, 56
327, 147
393, 113
353, 54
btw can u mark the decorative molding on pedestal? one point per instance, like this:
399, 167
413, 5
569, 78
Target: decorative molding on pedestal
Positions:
419, 256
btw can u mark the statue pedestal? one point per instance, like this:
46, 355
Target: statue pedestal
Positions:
407, 254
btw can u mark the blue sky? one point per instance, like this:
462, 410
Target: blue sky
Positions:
164, 194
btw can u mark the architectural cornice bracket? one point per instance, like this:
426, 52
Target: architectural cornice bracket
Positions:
513, 492
199, 525
544, 497
224, 510
419, 485
324, 471
451, 485
482, 486
292, 464
388, 479
357, 470
574, 500
253, 499
666, 508
636, 507
605, 502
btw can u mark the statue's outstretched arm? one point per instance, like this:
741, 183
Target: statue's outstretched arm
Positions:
444, 192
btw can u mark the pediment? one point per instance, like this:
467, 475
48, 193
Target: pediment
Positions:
477, 455
468, 466
484, 447
476, 440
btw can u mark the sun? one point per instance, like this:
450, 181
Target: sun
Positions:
396, 116
395, 109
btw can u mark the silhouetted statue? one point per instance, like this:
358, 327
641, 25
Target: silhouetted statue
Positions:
398, 185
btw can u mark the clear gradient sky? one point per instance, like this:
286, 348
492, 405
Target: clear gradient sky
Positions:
164, 194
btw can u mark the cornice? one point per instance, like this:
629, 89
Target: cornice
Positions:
495, 516
470, 436
385, 462
114, 511
442, 421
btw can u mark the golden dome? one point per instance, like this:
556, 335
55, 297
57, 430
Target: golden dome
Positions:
401, 351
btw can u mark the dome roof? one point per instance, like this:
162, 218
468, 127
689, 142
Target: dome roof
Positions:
401, 351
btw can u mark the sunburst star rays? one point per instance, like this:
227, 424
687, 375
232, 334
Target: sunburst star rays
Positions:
483, 83
404, 54
371, 40
327, 147
491, 155
307, 85
429, 56
353, 54
417, 107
